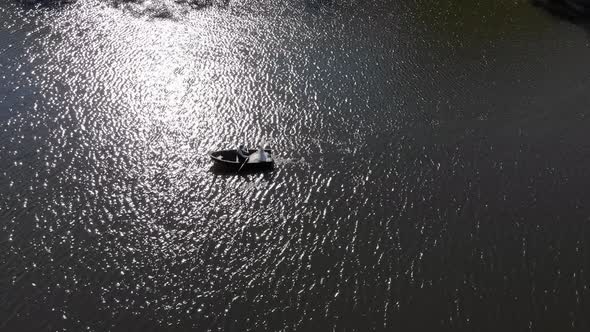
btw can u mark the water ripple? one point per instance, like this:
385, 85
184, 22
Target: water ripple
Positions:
419, 169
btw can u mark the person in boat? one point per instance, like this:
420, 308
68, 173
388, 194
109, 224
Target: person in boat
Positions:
243, 153
259, 156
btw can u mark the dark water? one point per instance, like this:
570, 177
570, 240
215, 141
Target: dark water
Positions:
432, 172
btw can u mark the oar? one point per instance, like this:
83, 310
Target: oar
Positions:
244, 163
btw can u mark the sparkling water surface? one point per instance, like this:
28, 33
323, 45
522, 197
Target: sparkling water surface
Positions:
432, 166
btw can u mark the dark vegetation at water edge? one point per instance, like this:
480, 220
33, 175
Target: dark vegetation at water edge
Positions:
166, 9
117, 3
572, 9
171, 9
192, 3
45, 2
575, 10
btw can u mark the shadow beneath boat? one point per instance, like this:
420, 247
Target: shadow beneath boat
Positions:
220, 170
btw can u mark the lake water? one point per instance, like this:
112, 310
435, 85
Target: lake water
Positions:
432, 167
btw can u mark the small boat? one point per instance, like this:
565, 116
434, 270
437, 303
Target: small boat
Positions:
228, 160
